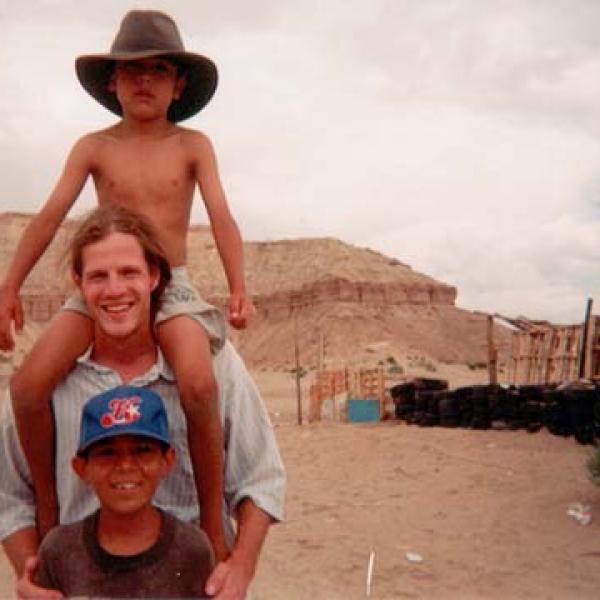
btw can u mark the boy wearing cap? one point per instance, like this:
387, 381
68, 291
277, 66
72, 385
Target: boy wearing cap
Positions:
128, 548
148, 163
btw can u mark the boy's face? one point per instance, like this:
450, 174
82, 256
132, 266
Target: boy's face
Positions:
124, 471
116, 284
145, 88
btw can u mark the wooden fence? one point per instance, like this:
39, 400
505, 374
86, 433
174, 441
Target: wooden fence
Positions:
545, 353
355, 383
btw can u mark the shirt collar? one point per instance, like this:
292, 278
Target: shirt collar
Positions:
159, 370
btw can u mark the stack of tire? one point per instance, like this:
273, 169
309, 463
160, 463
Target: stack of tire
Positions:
571, 409
582, 403
530, 403
417, 401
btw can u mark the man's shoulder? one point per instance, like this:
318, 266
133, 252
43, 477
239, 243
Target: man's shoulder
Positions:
227, 361
188, 535
62, 536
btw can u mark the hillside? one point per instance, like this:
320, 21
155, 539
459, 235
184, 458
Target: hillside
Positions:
342, 303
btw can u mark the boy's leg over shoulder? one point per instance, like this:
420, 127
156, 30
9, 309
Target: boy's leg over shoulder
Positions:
182, 298
47, 364
187, 348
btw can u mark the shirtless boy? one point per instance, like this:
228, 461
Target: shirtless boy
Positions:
147, 163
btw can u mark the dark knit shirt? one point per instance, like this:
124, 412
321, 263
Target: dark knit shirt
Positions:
176, 566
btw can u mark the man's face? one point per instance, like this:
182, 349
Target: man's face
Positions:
146, 88
116, 283
124, 471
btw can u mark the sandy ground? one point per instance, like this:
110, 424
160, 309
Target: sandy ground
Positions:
486, 512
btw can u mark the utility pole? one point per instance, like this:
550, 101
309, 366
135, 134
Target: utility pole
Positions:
584, 357
297, 370
492, 352
321, 353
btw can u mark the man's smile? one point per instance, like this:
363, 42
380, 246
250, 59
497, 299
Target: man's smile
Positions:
117, 308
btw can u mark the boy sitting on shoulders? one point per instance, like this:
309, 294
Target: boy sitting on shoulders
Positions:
128, 548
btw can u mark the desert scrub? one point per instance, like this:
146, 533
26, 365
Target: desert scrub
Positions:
477, 365
421, 362
593, 467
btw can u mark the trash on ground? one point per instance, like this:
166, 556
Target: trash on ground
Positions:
580, 512
414, 557
370, 571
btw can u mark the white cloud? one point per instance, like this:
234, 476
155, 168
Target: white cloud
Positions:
461, 137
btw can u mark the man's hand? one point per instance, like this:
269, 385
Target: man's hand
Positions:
229, 580
27, 590
10, 310
240, 310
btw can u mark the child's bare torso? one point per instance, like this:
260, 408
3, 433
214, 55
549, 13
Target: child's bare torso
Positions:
156, 176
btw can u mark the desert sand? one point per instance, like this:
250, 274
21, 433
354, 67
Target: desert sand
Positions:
486, 511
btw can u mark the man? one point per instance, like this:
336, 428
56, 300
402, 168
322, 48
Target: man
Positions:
121, 273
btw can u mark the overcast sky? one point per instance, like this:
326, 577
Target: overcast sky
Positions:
460, 136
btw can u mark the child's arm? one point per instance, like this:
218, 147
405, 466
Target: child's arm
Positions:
225, 230
38, 235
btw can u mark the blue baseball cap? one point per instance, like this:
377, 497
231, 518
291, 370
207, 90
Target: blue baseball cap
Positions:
124, 410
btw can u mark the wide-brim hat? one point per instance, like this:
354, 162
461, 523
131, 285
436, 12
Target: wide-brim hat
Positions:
146, 34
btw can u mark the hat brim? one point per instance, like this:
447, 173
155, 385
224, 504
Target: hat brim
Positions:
82, 449
95, 70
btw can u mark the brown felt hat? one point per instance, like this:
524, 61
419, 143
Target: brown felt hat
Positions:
145, 34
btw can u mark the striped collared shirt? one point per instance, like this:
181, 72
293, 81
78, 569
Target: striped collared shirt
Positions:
252, 469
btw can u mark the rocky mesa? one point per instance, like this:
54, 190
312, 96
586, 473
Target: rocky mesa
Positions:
337, 303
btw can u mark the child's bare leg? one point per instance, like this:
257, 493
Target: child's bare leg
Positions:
187, 350
31, 387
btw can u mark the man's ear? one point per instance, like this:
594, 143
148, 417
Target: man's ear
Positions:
155, 274
78, 463
75, 278
179, 87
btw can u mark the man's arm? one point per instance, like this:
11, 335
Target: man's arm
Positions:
254, 474
224, 228
253, 466
230, 579
19, 546
37, 236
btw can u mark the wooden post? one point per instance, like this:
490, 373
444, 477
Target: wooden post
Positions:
321, 353
381, 385
297, 364
595, 350
334, 412
584, 351
492, 352
549, 375
513, 375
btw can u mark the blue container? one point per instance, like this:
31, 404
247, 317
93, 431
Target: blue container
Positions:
361, 410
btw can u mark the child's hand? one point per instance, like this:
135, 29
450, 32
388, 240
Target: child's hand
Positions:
240, 310
10, 310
